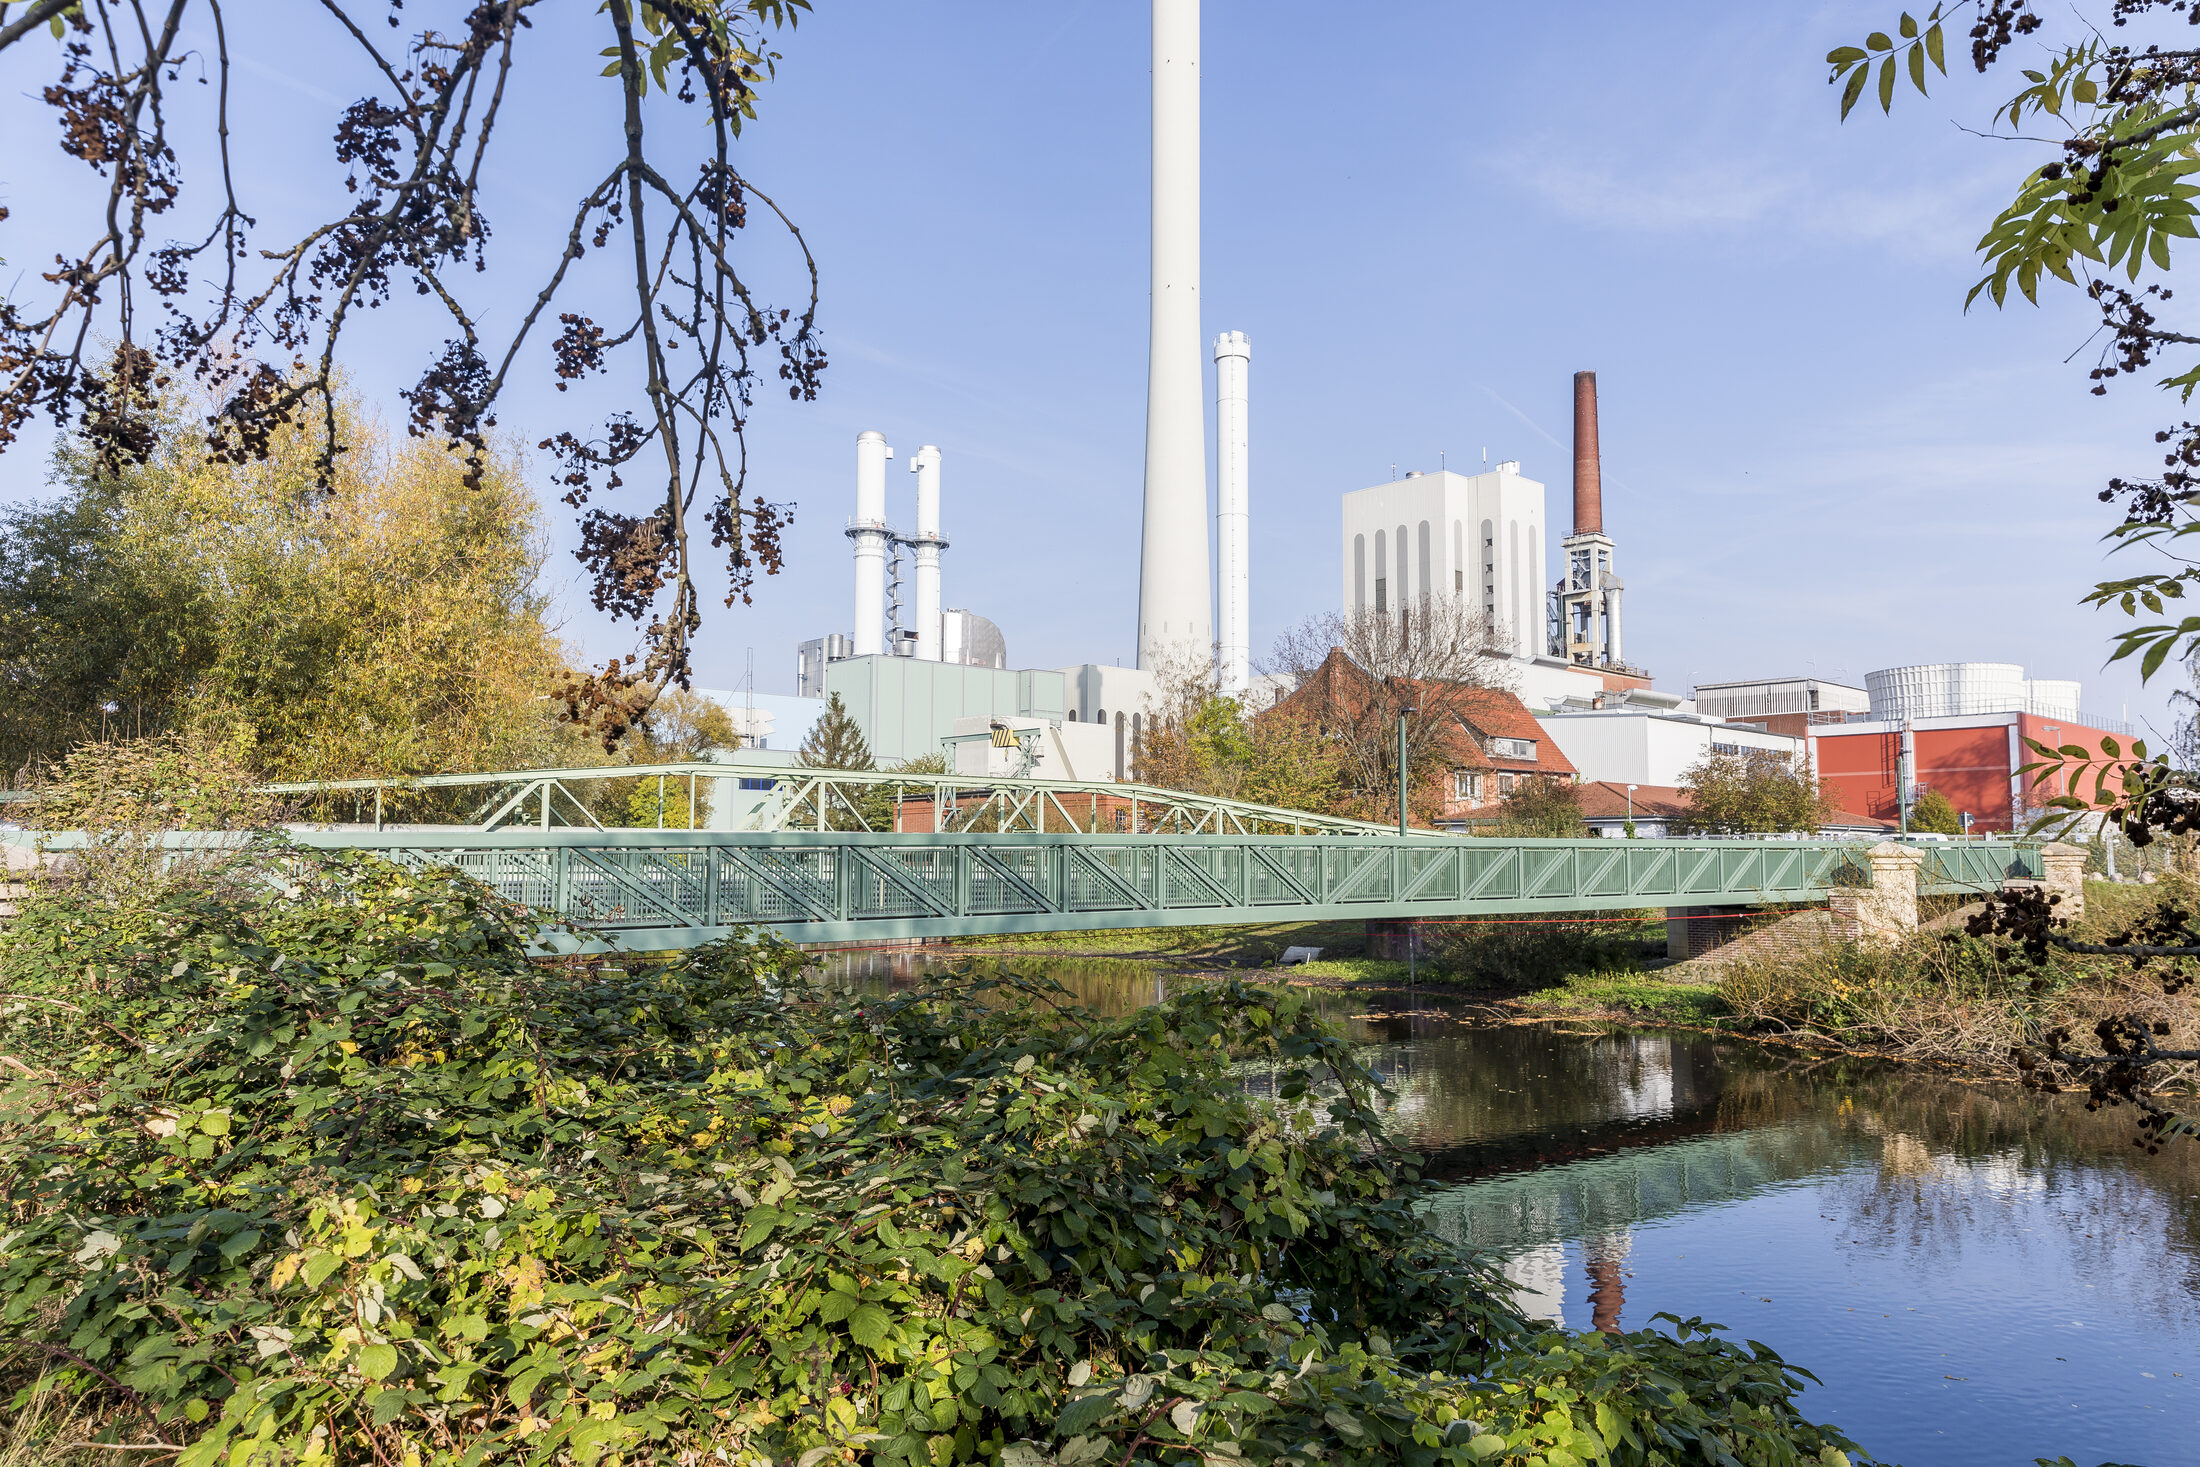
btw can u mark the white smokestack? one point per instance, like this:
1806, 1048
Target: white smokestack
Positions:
1233, 487
869, 531
927, 543
1175, 615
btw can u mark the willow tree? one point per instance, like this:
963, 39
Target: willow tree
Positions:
174, 280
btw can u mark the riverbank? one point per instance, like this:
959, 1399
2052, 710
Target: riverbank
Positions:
1940, 996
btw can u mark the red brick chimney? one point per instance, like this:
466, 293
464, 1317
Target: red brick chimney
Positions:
1588, 477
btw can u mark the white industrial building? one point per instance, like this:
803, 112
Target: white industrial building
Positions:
1652, 746
1475, 536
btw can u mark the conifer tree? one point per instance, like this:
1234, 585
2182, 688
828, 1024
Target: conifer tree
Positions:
835, 741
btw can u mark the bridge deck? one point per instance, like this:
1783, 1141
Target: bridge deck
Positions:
675, 889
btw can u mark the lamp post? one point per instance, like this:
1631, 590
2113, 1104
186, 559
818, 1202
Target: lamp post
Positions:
1403, 714
1631, 807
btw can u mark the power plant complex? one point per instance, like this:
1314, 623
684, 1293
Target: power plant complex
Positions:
926, 680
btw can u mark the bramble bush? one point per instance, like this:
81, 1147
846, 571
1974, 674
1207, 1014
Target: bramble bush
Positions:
329, 1170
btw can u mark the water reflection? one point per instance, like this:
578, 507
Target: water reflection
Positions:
1977, 1275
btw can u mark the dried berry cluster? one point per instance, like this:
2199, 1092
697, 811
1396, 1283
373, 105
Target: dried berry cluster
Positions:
264, 348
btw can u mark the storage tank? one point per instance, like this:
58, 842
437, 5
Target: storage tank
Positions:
2051, 697
1946, 690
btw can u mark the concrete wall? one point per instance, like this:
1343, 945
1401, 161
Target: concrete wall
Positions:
1082, 751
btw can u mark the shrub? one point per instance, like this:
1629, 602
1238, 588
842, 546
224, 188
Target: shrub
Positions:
1536, 953
334, 1172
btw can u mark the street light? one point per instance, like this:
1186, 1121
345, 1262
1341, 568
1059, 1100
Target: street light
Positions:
1631, 807
1403, 714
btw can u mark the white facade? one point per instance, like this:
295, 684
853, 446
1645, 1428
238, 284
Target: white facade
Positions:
1175, 594
1479, 537
1233, 491
1626, 746
1056, 750
1764, 697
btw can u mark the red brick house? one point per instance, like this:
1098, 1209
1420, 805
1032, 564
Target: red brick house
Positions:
1487, 739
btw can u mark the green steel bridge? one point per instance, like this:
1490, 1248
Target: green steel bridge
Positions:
833, 856
674, 889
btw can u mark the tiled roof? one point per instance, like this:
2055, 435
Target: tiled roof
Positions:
1606, 799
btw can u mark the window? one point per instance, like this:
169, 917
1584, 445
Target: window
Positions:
1099, 715
1073, 715
759, 784
1465, 786
1381, 600
1505, 783
1513, 748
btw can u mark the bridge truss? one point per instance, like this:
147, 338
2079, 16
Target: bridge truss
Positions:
655, 890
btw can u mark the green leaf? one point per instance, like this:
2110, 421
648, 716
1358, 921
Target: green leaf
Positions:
377, 1361
1083, 1413
236, 1245
1908, 27
1886, 85
1854, 89
319, 1266
2083, 90
1879, 41
1844, 55
1934, 50
1917, 68
868, 1325
837, 1306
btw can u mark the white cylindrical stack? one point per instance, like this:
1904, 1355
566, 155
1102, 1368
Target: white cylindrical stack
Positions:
869, 532
927, 543
1175, 613
1233, 487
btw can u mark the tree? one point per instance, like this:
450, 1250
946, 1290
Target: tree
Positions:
835, 741
1200, 741
259, 322
1540, 807
1755, 791
1352, 674
388, 624
1934, 815
2121, 124
681, 727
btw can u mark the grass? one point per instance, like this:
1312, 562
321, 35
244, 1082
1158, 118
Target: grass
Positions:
1640, 996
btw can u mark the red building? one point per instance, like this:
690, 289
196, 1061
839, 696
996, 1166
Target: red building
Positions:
1971, 759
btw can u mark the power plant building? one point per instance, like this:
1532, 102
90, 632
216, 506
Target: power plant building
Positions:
1474, 537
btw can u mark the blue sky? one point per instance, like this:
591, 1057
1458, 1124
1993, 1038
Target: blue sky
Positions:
1426, 216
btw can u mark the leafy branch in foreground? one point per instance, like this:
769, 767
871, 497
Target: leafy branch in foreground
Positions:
257, 325
2121, 123
337, 1173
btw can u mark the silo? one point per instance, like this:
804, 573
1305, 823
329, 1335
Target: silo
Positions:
1945, 690
2052, 697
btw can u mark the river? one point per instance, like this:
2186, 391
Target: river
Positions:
1975, 1274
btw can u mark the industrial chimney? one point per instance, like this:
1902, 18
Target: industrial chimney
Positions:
1175, 595
1233, 482
868, 530
1586, 609
927, 542
1588, 473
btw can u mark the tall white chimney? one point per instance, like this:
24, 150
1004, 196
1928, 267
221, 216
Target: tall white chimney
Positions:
868, 530
1175, 596
1233, 486
927, 542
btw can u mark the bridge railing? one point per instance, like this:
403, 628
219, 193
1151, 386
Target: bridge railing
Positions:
763, 798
